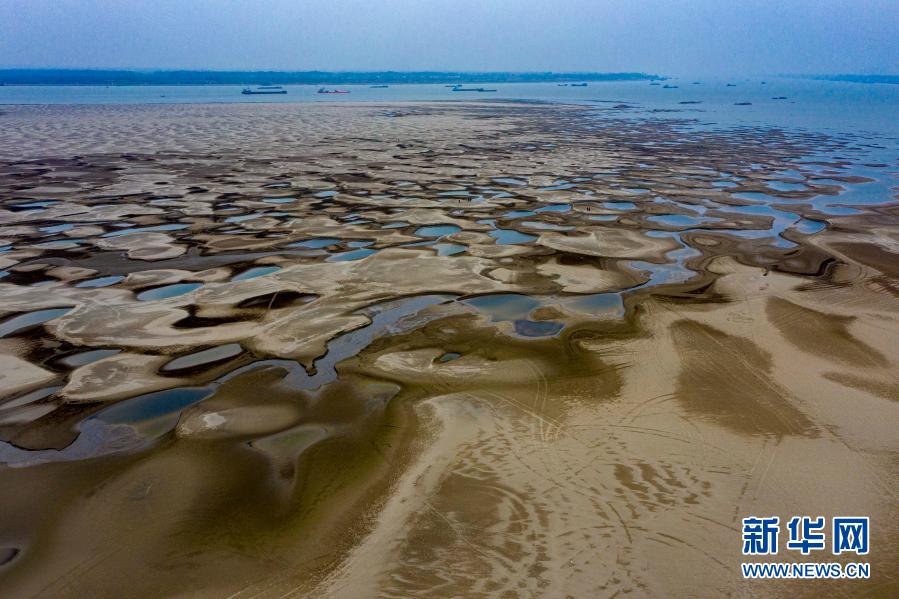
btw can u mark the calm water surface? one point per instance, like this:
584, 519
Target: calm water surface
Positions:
816, 105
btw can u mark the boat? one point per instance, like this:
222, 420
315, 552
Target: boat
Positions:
322, 90
269, 89
578, 85
459, 88
378, 86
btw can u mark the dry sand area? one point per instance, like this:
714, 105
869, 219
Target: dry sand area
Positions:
435, 350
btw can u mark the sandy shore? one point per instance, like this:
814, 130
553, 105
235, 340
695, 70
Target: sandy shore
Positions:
434, 349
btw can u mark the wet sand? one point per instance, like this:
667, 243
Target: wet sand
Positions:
435, 349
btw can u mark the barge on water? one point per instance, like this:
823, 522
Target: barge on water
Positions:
264, 89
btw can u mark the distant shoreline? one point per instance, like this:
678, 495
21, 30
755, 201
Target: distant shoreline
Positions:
162, 77
889, 79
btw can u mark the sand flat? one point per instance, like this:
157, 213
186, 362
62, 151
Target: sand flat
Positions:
448, 378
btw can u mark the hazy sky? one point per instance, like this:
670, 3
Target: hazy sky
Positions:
659, 36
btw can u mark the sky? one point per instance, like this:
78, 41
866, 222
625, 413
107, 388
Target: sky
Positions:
667, 37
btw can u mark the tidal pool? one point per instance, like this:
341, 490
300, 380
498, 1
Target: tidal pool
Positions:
350, 255
317, 243
167, 291
22, 322
204, 357
100, 282
510, 237
437, 230
257, 271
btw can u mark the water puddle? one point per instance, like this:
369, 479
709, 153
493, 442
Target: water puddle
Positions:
153, 406
245, 217
56, 228
204, 357
756, 196
28, 398
437, 230
673, 271
555, 208
537, 328
60, 244
782, 221
39, 205
156, 228
504, 306
23, 322
515, 308
512, 214
605, 304
620, 205
510, 181
167, 291
789, 173
100, 282
257, 271
449, 249
784, 186
351, 255
536, 224
318, 243
839, 210
809, 226
86, 357
95, 438
682, 220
